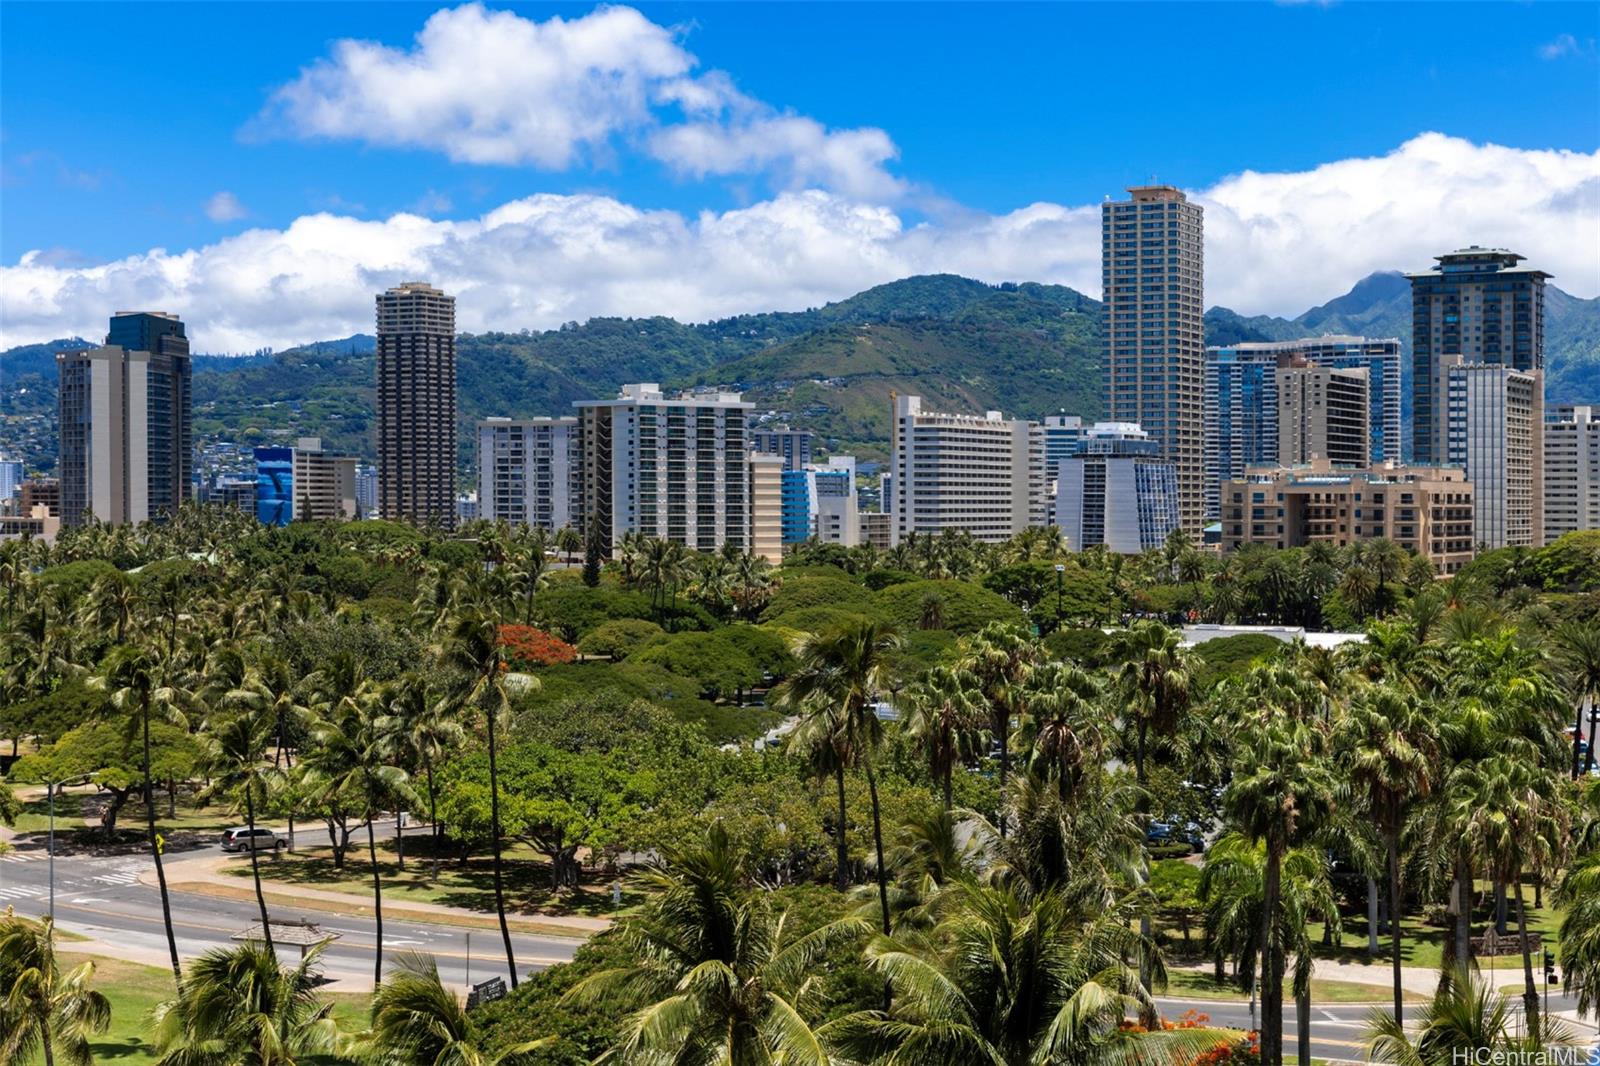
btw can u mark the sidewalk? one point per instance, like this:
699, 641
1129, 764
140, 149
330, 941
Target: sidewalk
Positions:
205, 873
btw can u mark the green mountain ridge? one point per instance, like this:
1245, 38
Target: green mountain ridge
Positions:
1027, 349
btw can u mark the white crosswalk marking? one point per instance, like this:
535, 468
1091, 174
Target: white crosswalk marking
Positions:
19, 893
20, 856
117, 879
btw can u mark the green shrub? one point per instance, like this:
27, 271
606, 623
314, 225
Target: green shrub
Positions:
618, 639
803, 592
963, 607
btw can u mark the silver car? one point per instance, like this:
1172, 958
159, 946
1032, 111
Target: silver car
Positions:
241, 840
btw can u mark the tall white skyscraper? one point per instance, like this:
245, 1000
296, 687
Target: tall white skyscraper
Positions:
1571, 470
1494, 417
1117, 490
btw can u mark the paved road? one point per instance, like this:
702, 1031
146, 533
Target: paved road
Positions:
102, 897
1336, 1029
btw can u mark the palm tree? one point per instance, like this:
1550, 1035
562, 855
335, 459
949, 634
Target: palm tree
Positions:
1007, 980
715, 975
233, 763
1000, 657
1465, 1018
1281, 790
944, 710
1511, 817
570, 541
1388, 748
1063, 734
838, 677
1580, 931
1579, 656
129, 676
350, 757
241, 1007
416, 1021
1233, 890
42, 1008
424, 729
473, 647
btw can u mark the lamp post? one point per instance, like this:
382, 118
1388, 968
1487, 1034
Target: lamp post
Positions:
50, 788
1061, 568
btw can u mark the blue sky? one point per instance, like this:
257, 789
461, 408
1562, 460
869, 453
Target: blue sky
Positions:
123, 123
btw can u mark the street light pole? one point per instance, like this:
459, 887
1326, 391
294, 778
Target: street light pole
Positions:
50, 788
1061, 568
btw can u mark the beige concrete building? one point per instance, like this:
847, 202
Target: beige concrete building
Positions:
876, 528
417, 405
37, 522
980, 473
1494, 430
1571, 470
676, 467
1425, 509
1153, 286
1323, 413
324, 483
766, 506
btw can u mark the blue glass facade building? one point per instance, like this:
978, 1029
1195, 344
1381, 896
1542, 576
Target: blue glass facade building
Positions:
274, 486
796, 506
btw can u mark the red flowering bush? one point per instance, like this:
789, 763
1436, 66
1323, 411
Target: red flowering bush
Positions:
527, 648
1243, 1052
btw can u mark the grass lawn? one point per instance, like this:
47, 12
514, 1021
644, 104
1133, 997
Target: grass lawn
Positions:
74, 805
35, 816
527, 879
1423, 945
1200, 985
136, 990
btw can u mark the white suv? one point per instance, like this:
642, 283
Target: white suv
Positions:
241, 840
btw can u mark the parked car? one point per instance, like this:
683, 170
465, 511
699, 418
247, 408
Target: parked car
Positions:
240, 840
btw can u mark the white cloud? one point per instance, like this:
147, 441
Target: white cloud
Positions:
1276, 243
1564, 45
225, 207
491, 87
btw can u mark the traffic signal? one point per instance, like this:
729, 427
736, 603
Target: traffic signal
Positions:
1549, 968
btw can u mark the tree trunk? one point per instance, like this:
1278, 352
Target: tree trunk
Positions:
255, 868
949, 772
433, 815
1372, 916
494, 833
1271, 977
1530, 998
877, 844
399, 840
1003, 731
49, 1048
1463, 917
1577, 739
377, 906
1302, 1027
155, 850
1594, 733
1394, 920
841, 875
1500, 906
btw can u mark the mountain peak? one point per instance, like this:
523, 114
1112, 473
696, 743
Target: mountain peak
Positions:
1369, 299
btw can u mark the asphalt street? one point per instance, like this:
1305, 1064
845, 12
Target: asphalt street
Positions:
102, 897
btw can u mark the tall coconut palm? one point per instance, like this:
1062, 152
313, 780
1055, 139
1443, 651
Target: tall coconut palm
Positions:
569, 541
1000, 657
473, 647
1578, 654
424, 728
129, 676
1388, 749
1580, 931
241, 1007
1233, 890
838, 677
350, 756
944, 716
1007, 981
417, 1021
1281, 790
1511, 816
715, 975
43, 1009
233, 762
